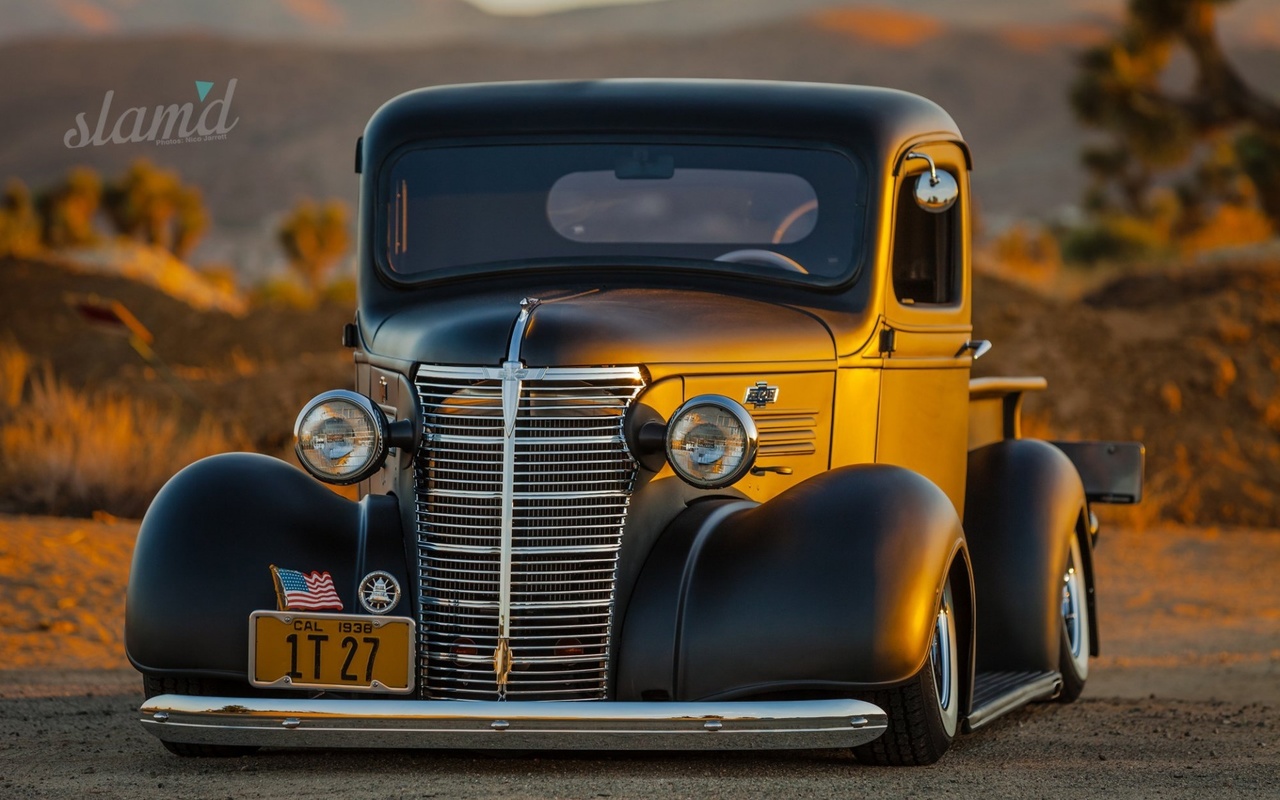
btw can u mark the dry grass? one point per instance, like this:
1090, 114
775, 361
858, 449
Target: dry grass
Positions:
15, 364
1229, 226
69, 452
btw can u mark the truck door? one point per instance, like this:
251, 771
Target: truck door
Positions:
924, 391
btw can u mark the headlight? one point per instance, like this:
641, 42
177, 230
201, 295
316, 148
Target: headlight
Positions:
341, 437
711, 441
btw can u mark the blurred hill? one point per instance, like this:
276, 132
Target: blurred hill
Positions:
254, 370
301, 106
432, 21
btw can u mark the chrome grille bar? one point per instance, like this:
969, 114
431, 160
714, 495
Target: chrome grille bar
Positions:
523, 482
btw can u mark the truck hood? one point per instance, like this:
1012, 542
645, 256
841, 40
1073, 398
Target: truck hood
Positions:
616, 326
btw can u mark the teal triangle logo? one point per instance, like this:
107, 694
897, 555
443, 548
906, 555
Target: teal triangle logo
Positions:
202, 88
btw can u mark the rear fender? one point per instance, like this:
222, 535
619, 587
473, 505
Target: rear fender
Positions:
203, 555
1024, 499
831, 586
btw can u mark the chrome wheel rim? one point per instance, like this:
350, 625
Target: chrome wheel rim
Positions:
943, 661
1075, 612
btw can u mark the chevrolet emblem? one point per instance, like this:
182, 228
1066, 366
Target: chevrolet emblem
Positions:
761, 395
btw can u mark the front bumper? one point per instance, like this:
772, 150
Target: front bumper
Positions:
589, 725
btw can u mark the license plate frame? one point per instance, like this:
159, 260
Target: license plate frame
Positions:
309, 662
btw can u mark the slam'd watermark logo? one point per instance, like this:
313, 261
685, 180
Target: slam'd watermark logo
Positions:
171, 124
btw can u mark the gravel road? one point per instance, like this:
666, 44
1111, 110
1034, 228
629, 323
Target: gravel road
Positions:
1185, 702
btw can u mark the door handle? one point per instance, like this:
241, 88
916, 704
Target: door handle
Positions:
978, 346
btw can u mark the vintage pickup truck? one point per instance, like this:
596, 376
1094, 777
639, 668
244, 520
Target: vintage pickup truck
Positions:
665, 437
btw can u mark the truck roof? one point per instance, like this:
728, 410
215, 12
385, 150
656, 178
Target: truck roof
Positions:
874, 122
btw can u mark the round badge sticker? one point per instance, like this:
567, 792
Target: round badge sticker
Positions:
379, 592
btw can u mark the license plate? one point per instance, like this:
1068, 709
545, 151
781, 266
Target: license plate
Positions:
349, 652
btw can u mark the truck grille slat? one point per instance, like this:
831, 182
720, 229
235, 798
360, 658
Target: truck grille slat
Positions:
571, 479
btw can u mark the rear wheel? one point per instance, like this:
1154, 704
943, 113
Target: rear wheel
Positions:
924, 713
199, 687
1073, 661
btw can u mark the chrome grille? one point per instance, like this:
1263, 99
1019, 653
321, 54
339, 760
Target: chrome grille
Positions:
571, 478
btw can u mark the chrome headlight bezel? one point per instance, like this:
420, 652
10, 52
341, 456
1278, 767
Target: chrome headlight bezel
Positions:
729, 414
374, 454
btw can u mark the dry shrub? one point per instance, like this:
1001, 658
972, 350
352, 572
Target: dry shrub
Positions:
341, 291
1028, 254
1270, 411
1229, 226
285, 293
1224, 375
15, 363
241, 364
223, 277
67, 452
1232, 331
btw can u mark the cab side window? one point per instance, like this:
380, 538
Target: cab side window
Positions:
925, 252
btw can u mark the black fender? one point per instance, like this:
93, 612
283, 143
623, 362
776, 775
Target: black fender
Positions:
1023, 500
202, 559
833, 586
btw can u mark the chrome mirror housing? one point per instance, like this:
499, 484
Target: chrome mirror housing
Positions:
935, 191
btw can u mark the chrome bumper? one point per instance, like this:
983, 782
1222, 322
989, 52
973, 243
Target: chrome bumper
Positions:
588, 725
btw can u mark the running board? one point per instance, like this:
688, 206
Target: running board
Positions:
997, 693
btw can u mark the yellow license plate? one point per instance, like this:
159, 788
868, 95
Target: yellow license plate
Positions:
349, 652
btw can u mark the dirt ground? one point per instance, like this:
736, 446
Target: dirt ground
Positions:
1183, 702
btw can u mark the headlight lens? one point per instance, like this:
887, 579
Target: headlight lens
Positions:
341, 437
711, 441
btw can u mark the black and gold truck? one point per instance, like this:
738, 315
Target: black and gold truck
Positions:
665, 437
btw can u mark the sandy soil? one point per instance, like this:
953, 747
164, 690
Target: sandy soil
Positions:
1182, 703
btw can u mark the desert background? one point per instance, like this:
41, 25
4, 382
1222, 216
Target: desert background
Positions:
162, 303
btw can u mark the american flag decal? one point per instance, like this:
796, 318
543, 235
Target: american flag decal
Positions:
299, 591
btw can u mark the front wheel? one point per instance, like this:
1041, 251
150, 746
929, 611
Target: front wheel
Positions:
924, 713
1073, 661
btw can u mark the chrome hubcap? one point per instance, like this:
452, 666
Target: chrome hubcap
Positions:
942, 665
1075, 613
1072, 596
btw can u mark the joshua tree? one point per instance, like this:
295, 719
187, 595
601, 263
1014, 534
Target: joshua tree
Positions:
1228, 132
192, 221
19, 222
314, 237
68, 210
153, 205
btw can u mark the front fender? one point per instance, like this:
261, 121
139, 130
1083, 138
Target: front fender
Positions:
831, 586
202, 559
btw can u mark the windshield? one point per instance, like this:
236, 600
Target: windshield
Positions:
778, 210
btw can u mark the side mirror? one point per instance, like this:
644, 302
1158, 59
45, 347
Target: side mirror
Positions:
935, 191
